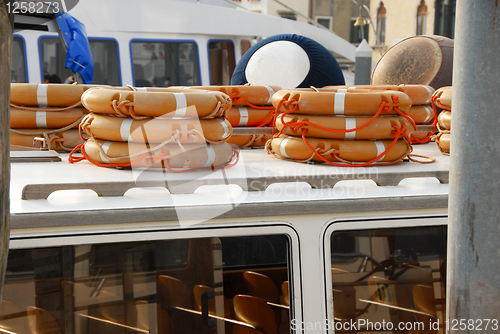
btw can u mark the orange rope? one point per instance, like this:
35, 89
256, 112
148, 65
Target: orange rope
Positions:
237, 99
297, 125
398, 133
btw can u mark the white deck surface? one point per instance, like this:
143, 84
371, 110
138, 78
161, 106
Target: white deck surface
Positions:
254, 167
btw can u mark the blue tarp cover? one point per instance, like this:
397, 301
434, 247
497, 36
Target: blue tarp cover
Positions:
78, 56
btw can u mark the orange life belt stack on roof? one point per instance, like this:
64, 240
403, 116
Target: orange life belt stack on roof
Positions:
421, 110
342, 126
156, 128
442, 99
46, 115
252, 107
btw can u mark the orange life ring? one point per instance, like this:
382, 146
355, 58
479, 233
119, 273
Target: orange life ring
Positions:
444, 120
194, 156
443, 142
43, 95
246, 116
421, 135
419, 94
443, 96
154, 104
243, 141
295, 148
421, 114
343, 104
256, 95
26, 119
156, 130
60, 141
381, 127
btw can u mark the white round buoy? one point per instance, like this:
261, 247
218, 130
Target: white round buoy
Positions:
288, 61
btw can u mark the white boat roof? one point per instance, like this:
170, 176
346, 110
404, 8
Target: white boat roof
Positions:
254, 187
177, 17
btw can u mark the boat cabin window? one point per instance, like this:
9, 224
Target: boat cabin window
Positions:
391, 275
53, 59
18, 61
151, 286
106, 62
165, 63
104, 55
222, 62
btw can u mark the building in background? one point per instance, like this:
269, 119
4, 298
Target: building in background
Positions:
272, 7
395, 20
340, 17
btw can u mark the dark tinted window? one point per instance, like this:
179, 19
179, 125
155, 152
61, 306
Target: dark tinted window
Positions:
162, 64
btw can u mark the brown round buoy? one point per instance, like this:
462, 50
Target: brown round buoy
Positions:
426, 60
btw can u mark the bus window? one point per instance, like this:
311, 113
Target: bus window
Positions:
18, 62
153, 286
106, 62
395, 276
222, 62
53, 60
245, 45
161, 64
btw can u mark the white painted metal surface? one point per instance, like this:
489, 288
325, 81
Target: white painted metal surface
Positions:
288, 182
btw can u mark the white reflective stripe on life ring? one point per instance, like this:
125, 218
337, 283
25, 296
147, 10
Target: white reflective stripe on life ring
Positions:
181, 105
429, 113
105, 148
380, 149
41, 95
271, 93
211, 156
41, 119
282, 147
350, 123
125, 128
243, 116
430, 94
226, 128
339, 104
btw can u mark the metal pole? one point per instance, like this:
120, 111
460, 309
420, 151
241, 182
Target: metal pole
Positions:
6, 29
363, 64
473, 282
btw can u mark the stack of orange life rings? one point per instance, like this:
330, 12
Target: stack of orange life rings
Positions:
156, 128
442, 99
421, 110
252, 107
51, 112
342, 126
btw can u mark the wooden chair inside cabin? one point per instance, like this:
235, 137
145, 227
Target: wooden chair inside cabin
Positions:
423, 299
256, 312
42, 322
286, 293
15, 324
198, 291
263, 287
171, 293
